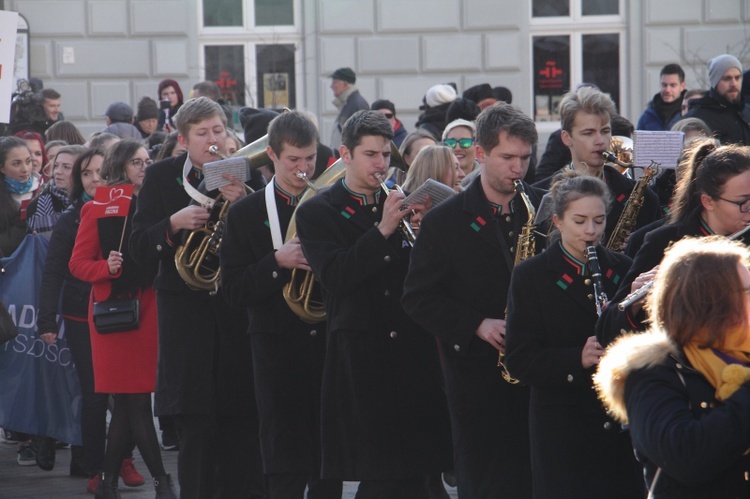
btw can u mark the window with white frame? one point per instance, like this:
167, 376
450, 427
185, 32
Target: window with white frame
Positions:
248, 48
253, 13
573, 42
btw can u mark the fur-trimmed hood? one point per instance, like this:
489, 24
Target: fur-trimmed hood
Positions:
629, 353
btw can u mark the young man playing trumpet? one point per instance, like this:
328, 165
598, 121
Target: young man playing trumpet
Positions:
384, 418
287, 352
202, 378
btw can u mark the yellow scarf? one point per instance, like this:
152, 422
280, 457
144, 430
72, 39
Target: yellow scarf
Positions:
723, 368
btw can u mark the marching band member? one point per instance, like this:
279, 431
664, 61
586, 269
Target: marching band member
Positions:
384, 419
194, 326
586, 115
576, 450
287, 352
457, 288
712, 197
682, 386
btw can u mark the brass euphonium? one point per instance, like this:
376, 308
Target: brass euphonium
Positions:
197, 258
302, 293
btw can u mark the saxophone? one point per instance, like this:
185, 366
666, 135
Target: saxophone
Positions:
525, 248
629, 215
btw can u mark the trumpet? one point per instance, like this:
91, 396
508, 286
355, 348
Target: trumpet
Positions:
644, 290
403, 226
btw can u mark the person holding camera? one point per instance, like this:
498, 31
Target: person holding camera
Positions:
170, 101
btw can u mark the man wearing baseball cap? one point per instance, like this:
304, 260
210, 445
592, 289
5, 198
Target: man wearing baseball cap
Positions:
723, 108
346, 99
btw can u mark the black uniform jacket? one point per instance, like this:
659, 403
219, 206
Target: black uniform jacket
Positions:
384, 413
576, 449
620, 188
614, 322
459, 275
57, 278
188, 320
287, 352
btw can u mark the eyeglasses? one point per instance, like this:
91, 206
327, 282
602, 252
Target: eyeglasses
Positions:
388, 115
141, 164
743, 205
464, 143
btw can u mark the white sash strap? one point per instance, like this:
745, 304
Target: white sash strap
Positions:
273, 214
194, 193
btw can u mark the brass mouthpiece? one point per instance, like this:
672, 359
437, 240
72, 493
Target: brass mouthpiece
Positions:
216, 152
303, 176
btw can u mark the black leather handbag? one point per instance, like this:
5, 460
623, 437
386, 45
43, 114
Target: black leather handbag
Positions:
114, 316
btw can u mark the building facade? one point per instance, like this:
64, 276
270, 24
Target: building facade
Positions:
273, 53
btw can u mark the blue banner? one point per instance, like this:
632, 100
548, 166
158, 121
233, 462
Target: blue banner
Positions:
39, 389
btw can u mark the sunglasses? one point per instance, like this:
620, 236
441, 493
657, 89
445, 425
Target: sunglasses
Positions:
464, 143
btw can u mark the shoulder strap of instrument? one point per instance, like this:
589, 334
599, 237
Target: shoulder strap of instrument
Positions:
194, 193
273, 214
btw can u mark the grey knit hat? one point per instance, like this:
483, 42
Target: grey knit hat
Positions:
719, 65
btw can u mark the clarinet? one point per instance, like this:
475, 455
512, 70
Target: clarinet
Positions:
600, 295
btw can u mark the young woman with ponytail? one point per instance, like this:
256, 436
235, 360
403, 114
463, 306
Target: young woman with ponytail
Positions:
712, 197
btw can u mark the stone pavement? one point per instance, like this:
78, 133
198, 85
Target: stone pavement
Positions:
17, 482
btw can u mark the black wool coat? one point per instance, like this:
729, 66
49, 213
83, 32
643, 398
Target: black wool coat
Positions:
384, 414
189, 321
459, 275
287, 352
576, 449
57, 279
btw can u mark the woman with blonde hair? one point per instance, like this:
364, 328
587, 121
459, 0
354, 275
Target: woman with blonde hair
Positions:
682, 386
437, 163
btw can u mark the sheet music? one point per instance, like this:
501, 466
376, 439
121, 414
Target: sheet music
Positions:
661, 147
238, 167
437, 192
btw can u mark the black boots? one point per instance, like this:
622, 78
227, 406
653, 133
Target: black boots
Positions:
108, 488
76, 462
164, 487
45, 452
